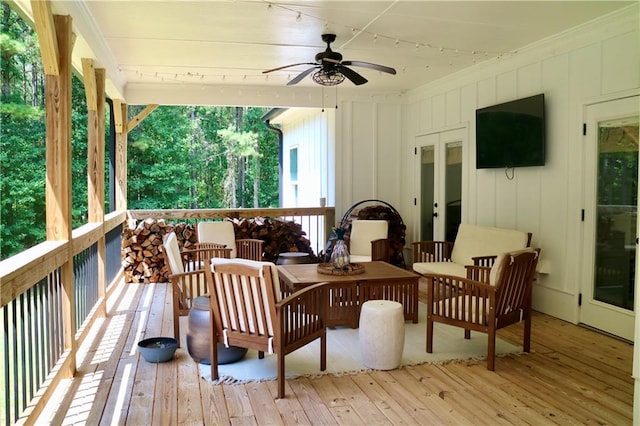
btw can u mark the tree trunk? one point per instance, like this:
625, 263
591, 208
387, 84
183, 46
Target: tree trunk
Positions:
241, 162
193, 190
256, 178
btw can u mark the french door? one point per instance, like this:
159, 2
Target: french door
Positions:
440, 170
611, 205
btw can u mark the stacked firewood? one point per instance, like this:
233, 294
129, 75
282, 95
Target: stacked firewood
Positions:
279, 236
142, 256
142, 248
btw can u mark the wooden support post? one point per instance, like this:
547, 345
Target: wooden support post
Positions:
58, 185
121, 155
94, 85
329, 223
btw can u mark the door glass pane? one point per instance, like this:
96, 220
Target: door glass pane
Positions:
617, 200
453, 190
427, 174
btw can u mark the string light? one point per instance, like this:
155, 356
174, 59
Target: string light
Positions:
355, 31
398, 43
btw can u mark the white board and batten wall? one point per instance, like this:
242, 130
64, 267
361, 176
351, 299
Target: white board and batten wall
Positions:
599, 60
375, 137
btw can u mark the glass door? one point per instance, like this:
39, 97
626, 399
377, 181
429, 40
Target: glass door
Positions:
440, 170
427, 192
611, 216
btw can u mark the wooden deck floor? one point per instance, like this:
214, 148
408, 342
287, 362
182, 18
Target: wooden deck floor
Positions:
574, 376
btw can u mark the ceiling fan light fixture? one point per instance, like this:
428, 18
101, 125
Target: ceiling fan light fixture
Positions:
327, 78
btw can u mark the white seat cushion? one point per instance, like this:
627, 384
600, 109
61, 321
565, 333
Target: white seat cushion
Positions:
441, 268
354, 258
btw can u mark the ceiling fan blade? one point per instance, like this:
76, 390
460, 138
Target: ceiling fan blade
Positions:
377, 67
355, 78
302, 75
288, 66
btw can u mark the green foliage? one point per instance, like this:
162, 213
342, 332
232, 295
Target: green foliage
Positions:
193, 157
178, 156
22, 183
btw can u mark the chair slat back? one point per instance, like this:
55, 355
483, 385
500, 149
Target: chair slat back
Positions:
249, 249
514, 282
243, 298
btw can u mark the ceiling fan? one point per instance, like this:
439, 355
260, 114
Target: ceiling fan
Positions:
330, 69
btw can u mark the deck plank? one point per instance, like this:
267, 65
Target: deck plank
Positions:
360, 403
573, 376
141, 405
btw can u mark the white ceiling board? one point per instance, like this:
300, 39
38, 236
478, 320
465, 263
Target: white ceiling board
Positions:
155, 43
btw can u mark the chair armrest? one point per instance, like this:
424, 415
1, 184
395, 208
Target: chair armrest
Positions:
460, 299
186, 286
208, 245
202, 253
432, 251
249, 248
478, 273
484, 260
381, 250
302, 314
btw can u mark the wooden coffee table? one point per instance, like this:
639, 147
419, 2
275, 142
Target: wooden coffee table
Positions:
347, 293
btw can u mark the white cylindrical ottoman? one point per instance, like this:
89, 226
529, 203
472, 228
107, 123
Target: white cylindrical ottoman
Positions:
381, 334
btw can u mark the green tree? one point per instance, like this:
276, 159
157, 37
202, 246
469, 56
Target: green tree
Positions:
22, 137
178, 157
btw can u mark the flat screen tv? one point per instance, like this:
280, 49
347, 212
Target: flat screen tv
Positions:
511, 134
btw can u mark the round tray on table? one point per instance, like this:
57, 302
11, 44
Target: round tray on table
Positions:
350, 269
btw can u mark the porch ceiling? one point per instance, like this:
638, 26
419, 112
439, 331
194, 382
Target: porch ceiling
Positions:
161, 51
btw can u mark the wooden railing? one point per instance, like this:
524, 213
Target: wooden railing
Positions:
35, 357
34, 353
316, 222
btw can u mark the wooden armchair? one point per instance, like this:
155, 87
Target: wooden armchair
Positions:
223, 233
368, 241
247, 312
186, 275
503, 299
474, 245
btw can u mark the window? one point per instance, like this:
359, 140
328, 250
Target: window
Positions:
293, 173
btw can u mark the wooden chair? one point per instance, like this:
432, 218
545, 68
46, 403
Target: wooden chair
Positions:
474, 245
247, 312
503, 299
368, 241
186, 275
223, 233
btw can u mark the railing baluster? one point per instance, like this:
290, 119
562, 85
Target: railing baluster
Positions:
33, 323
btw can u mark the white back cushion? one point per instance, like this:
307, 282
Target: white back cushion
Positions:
473, 240
173, 253
363, 232
502, 261
218, 232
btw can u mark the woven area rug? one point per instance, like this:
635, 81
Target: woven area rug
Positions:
343, 353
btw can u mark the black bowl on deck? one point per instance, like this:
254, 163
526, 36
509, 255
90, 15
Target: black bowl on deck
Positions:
158, 349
